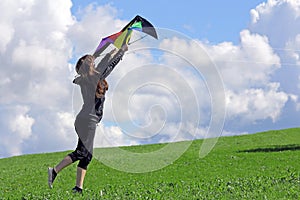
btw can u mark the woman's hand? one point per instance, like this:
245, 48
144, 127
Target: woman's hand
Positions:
113, 51
124, 47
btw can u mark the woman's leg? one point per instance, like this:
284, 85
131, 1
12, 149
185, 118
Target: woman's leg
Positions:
64, 163
80, 177
52, 172
85, 129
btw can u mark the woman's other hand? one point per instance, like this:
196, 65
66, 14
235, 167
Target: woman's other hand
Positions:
124, 47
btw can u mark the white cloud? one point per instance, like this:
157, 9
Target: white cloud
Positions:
108, 136
145, 107
293, 50
279, 20
275, 6
111, 136
247, 71
16, 125
6, 35
256, 104
21, 125
295, 99
252, 62
65, 122
37, 52
6, 21
34, 53
95, 23
231, 133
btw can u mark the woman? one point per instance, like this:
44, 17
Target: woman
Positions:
93, 87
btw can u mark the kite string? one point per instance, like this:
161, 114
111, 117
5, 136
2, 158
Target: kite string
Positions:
129, 43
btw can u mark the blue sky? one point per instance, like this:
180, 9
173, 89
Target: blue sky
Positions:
214, 20
254, 45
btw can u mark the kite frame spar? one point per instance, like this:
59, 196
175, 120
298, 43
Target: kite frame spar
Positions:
123, 37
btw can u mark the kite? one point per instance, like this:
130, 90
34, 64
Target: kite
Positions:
123, 37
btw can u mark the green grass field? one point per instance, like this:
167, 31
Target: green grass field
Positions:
257, 166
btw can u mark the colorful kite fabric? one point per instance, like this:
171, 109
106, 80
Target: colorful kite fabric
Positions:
123, 37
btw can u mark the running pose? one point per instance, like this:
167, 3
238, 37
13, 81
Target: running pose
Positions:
93, 87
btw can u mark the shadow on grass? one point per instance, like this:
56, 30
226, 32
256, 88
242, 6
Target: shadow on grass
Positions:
275, 148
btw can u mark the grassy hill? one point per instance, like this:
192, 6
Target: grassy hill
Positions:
257, 166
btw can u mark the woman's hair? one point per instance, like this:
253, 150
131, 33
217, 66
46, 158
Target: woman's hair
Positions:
102, 86
79, 62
